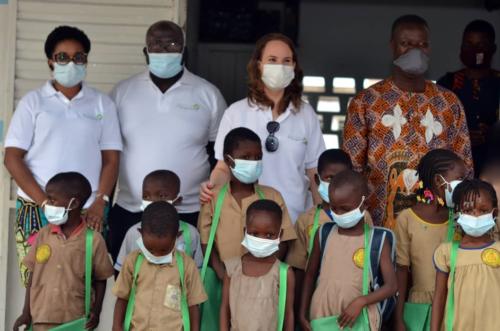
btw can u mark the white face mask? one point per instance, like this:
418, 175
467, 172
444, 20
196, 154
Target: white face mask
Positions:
57, 215
260, 247
69, 75
246, 171
146, 203
323, 190
165, 259
448, 191
476, 226
414, 62
277, 76
349, 219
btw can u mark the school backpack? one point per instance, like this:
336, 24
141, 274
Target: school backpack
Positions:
378, 236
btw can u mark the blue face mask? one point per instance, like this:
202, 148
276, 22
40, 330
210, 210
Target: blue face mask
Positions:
165, 259
246, 171
476, 226
323, 190
349, 219
69, 75
165, 65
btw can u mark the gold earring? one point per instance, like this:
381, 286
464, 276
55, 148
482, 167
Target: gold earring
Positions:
440, 201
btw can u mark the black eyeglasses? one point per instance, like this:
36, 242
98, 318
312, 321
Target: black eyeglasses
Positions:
272, 142
64, 58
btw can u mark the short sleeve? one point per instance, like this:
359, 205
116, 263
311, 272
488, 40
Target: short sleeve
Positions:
194, 287
128, 245
22, 125
315, 141
111, 138
196, 247
402, 240
442, 258
224, 128
356, 129
103, 269
297, 253
205, 222
286, 224
123, 283
218, 106
30, 259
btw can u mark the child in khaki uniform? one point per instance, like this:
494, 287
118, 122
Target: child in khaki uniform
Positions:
250, 296
419, 231
468, 272
163, 280
335, 295
243, 154
56, 262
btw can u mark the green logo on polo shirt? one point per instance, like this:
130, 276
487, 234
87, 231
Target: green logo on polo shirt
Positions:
196, 106
99, 116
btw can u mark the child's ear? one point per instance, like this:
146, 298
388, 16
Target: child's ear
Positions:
178, 201
229, 161
140, 230
75, 203
179, 234
316, 179
495, 212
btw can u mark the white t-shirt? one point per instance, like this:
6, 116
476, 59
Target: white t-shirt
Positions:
300, 145
166, 131
63, 135
129, 245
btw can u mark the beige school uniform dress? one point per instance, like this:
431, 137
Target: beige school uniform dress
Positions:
230, 231
253, 301
158, 292
416, 241
297, 253
340, 279
57, 292
477, 286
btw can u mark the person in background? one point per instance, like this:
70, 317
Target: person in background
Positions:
65, 125
477, 86
169, 119
401, 111
287, 126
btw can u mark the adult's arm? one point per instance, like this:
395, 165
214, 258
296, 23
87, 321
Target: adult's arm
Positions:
15, 164
355, 142
219, 176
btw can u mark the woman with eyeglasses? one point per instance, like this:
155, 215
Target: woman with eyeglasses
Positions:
288, 127
62, 126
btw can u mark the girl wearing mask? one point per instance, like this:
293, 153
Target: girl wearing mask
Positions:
468, 273
62, 126
258, 288
287, 126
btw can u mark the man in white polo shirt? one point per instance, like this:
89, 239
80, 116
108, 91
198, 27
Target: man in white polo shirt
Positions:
169, 119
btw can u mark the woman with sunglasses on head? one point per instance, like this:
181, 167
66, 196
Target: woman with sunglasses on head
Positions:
287, 126
62, 126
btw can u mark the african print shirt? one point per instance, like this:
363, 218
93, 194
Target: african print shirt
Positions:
388, 130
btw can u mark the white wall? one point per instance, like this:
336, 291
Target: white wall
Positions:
353, 40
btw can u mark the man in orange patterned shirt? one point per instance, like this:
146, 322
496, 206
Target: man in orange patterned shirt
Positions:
393, 123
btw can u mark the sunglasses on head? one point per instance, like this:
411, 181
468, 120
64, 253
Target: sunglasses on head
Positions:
272, 142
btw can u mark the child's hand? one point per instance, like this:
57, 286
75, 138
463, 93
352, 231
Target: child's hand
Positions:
304, 323
93, 321
24, 319
351, 313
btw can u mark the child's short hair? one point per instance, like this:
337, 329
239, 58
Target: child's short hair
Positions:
237, 135
166, 177
265, 205
437, 161
333, 156
72, 184
468, 190
160, 219
350, 177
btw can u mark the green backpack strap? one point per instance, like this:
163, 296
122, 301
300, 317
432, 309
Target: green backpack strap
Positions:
314, 229
366, 269
131, 300
259, 192
186, 235
184, 305
450, 312
213, 229
89, 239
451, 225
282, 295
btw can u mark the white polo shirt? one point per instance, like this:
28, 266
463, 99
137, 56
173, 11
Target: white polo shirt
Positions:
166, 131
300, 145
63, 135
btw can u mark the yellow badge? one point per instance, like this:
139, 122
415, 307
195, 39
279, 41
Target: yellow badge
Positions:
173, 297
43, 253
359, 257
491, 257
